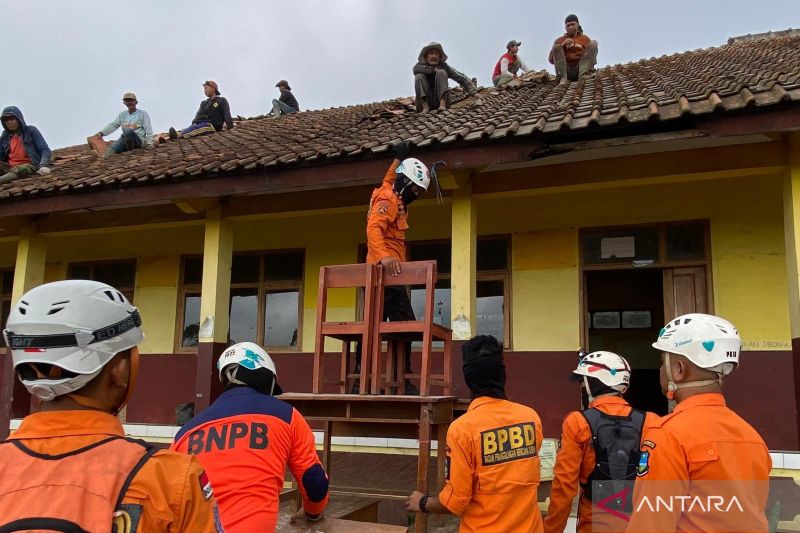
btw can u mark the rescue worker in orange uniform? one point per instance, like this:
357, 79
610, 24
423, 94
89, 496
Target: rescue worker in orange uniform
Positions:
604, 378
387, 222
70, 467
492, 464
702, 457
245, 440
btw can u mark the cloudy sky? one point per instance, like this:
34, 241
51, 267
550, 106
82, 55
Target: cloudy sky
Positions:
67, 62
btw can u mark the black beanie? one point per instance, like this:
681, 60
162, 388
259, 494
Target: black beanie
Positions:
571, 18
484, 369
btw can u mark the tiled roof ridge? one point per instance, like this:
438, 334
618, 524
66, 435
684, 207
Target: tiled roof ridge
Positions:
744, 74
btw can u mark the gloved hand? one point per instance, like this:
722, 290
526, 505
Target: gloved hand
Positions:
402, 149
44, 171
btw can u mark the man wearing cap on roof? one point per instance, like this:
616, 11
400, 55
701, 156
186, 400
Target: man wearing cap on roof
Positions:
23, 150
214, 112
574, 54
431, 75
136, 129
286, 104
245, 440
507, 66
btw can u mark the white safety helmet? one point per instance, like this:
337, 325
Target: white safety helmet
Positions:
708, 341
609, 368
74, 325
416, 171
248, 355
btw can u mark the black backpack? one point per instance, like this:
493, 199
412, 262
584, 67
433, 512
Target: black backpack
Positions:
616, 441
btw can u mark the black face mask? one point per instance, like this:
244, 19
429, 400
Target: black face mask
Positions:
405, 189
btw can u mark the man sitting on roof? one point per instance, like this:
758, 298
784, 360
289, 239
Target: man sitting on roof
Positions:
507, 66
430, 79
23, 150
136, 129
574, 53
212, 115
287, 103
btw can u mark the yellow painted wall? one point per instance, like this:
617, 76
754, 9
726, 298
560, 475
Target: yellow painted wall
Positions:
156, 297
157, 252
330, 239
748, 266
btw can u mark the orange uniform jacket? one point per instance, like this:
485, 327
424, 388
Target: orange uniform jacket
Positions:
245, 439
169, 487
702, 449
386, 221
573, 53
574, 463
492, 473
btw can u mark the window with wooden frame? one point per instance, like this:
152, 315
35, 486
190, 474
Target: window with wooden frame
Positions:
493, 287
6, 287
672, 244
267, 298
120, 274
189, 288
265, 304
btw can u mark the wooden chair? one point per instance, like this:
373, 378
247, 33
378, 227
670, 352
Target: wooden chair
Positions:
399, 333
344, 277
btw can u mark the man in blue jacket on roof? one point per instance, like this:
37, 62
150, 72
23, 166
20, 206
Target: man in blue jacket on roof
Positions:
23, 150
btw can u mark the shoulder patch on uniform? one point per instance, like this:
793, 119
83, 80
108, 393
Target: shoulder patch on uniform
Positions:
382, 207
508, 443
205, 486
644, 459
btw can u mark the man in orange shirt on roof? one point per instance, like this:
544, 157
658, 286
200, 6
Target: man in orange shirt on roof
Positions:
492, 465
70, 467
387, 221
702, 467
599, 451
574, 54
245, 440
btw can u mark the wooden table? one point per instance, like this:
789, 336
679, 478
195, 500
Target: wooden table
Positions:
409, 417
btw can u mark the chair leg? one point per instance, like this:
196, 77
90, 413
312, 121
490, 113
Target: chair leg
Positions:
400, 366
345, 367
391, 356
375, 366
425, 368
362, 377
447, 368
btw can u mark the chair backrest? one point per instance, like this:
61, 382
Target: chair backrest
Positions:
345, 277
412, 273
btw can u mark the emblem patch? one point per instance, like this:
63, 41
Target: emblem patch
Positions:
644, 459
205, 486
508, 443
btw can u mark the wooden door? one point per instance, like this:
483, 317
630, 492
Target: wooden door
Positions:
685, 291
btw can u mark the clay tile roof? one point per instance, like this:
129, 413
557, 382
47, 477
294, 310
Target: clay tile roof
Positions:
749, 72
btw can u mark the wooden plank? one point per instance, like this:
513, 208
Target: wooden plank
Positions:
335, 525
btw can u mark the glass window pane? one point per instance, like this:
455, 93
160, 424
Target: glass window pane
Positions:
80, 272
620, 246
191, 320
441, 302
244, 315
8, 282
281, 318
686, 241
490, 309
492, 254
441, 307
438, 251
245, 268
119, 274
283, 266
192, 270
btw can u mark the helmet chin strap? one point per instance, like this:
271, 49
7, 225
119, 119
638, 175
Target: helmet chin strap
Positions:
106, 405
588, 390
672, 387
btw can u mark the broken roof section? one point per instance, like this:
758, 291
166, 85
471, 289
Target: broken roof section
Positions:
749, 73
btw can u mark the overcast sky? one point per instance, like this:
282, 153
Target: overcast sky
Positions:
67, 62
